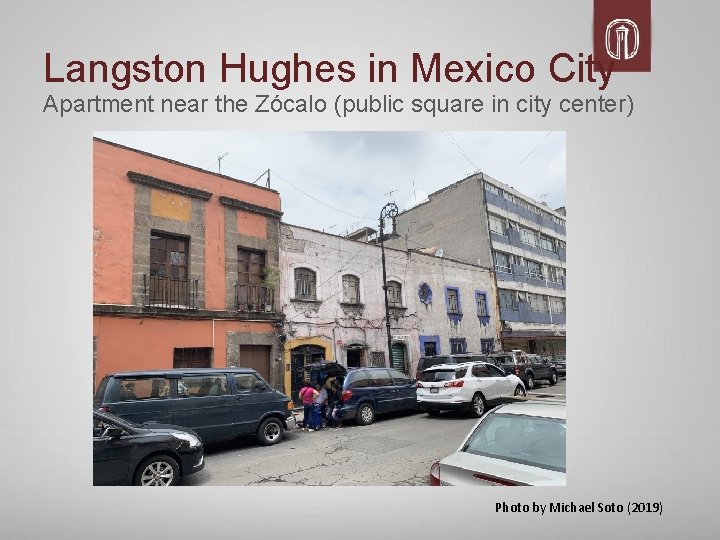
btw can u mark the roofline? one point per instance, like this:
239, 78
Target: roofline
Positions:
174, 162
409, 251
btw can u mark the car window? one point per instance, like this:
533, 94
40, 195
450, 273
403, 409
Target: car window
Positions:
399, 377
380, 377
435, 375
495, 372
132, 389
245, 382
100, 393
529, 440
481, 370
202, 385
358, 379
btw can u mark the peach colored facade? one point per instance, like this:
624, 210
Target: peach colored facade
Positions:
136, 195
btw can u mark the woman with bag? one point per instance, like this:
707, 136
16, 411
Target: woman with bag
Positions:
307, 395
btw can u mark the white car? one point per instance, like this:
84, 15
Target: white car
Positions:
516, 444
468, 386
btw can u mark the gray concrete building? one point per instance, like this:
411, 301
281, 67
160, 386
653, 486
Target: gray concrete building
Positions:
485, 222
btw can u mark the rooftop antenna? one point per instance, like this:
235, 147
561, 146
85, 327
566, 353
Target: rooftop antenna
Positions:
388, 194
220, 159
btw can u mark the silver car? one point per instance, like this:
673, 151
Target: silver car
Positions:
517, 444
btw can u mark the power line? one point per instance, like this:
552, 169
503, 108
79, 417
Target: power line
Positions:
531, 152
462, 152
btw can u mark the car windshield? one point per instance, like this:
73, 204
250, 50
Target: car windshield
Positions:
434, 375
529, 440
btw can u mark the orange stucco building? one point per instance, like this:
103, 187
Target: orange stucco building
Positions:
185, 267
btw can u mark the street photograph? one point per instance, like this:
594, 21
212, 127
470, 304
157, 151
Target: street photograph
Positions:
329, 308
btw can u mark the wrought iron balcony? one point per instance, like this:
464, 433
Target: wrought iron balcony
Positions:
255, 298
170, 292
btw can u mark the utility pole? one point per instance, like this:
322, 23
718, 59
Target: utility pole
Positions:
390, 210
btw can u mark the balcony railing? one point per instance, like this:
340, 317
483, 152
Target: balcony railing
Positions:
170, 292
255, 298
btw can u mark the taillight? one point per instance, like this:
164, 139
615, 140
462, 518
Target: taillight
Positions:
347, 394
435, 474
419, 385
454, 384
517, 371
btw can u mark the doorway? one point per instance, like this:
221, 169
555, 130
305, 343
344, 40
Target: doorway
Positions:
299, 358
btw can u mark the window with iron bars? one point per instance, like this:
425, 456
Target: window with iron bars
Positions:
305, 284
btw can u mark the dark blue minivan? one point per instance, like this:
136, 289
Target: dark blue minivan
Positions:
368, 391
220, 404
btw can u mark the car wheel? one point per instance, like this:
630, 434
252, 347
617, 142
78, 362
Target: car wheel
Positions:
553, 378
270, 431
157, 471
530, 382
477, 406
365, 414
519, 390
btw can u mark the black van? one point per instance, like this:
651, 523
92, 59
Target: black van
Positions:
220, 404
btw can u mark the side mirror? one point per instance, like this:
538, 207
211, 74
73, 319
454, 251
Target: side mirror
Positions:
113, 432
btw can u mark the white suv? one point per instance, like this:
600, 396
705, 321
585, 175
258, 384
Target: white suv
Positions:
467, 386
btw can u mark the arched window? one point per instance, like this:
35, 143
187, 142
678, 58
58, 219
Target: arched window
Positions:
351, 289
394, 293
305, 284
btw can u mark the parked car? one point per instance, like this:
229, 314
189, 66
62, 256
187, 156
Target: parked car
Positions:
141, 454
220, 404
468, 386
529, 367
516, 444
559, 363
367, 391
428, 361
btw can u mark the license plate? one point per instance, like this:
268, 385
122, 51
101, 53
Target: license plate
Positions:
434, 390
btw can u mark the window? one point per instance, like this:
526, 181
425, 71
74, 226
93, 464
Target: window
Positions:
557, 305
168, 281
351, 289
508, 299
251, 267
502, 262
394, 293
400, 378
359, 379
547, 243
528, 236
480, 370
380, 377
538, 303
481, 300
192, 357
377, 358
497, 225
304, 284
246, 382
458, 346
534, 269
147, 388
202, 385
168, 256
561, 244
486, 346
492, 189
495, 371
509, 196
453, 300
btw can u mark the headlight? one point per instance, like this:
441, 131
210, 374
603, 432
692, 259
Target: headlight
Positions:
192, 440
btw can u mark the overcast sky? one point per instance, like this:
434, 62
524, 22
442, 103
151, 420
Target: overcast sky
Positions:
339, 181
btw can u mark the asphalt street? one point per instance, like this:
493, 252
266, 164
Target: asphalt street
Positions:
396, 450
